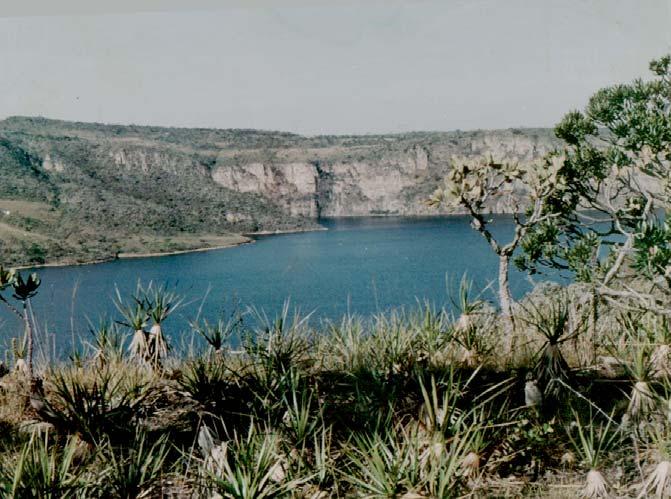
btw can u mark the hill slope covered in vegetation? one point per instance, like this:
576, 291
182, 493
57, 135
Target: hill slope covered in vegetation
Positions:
83, 191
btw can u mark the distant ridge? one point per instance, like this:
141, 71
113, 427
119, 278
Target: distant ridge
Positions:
88, 191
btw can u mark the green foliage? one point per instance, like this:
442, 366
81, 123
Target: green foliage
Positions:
249, 467
550, 316
105, 406
217, 335
133, 469
617, 167
43, 470
25, 289
593, 440
652, 247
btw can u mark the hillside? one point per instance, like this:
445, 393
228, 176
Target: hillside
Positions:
75, 192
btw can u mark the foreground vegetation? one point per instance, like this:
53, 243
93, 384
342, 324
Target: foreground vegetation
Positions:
413, 404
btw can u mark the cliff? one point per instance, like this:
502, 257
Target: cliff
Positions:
93, 190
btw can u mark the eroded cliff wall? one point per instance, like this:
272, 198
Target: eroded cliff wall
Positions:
224, 174
391, 176
92, 191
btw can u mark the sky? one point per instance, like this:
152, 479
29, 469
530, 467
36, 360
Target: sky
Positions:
322, 67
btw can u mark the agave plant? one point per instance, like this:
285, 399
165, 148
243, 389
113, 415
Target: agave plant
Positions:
642, 399
444, 474
551, 318
594, 440
211, 383
300, 421
278, 356
468, 306
247, 467
107, 344
135, 317
103, 404
658, 481
217, 335
660, 358
19, 351
386, 465
133, 469
42, 470
7, 278
160, 304
402, 463
23, 289
439, 412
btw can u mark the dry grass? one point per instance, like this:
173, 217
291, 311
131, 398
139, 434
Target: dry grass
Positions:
388, 406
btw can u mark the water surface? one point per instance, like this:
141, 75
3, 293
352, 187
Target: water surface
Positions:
360, 266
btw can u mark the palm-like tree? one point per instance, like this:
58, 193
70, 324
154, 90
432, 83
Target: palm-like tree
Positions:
134, 317
160, 304
23, 289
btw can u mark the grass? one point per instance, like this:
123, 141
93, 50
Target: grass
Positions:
386, 407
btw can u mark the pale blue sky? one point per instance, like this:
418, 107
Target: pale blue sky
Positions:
322, 66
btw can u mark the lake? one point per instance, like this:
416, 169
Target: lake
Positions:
360, 266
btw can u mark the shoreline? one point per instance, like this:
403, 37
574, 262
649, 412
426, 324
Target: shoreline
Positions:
249, 239
279, 232
129, 256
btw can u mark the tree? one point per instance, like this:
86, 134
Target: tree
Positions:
611, 229
22, 290
525, 189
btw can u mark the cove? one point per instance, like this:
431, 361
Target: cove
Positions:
359, 266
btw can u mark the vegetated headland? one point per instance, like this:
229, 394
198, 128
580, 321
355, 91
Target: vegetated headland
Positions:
83, 192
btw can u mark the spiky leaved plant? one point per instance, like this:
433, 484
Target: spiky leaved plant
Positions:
6, 280
278, 354
439, 412
480, 429
550, 317
434, 328
660, 359
642, 400
247, 467
133, 469
300, 420
107, 343
466, 332
443, 472
19, 352
386, 464
160, 304
218, 334
467, 306
96, 404
135, 317
23, 289
44, 469
594, 440
658, 481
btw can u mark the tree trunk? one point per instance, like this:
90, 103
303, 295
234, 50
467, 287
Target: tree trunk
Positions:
29, 335
593, 321
506, 302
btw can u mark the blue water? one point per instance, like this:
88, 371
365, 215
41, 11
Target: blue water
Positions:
360, 266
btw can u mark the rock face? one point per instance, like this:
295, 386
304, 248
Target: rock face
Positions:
379, 180
302, 177
293, 185
86, 191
